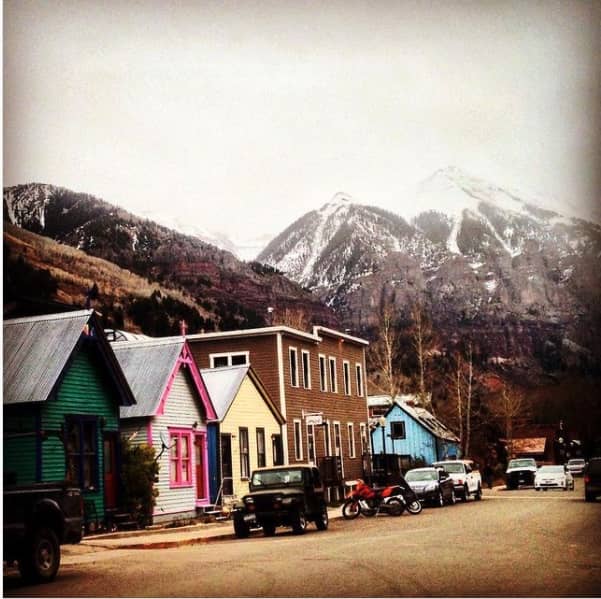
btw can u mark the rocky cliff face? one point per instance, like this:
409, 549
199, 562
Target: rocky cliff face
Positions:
238, 293
481, 260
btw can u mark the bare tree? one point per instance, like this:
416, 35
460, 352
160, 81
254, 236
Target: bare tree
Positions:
421, 336
510, 408
463, 387
295, 318
383, 355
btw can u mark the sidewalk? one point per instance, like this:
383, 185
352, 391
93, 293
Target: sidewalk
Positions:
160, 538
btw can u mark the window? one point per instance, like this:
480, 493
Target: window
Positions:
327, 438
311, 443
333, 380
277, 450
180, 464
298, 440
323, 384
346, 373
397, 429
82, 451
363, 434
337, 439
351, 439
244, 454
306, 362
229, 359
293, 367
261, 448
359, 373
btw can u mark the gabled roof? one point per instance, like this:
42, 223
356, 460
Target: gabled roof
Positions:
37, 350
224, 383
148, 366
419, 414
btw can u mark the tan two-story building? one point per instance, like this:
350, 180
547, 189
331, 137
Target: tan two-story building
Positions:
316, 379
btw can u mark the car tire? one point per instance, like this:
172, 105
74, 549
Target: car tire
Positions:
589, 497
478, 495
41, 557
466, 494
415, 506
323, 520
439, 502
299, 525
241, 529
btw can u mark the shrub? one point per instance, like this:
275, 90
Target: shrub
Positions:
139, 473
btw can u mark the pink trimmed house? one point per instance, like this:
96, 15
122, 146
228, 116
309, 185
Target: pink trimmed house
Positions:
171, 413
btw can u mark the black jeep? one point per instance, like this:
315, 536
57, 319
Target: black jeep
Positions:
282, 496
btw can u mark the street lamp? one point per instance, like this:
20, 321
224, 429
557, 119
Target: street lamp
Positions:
382, 424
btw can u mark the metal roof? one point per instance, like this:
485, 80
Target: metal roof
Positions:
37, 349
35, 352
147, 366
223, 385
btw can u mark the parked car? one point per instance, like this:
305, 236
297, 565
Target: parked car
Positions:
576, 466
432, 485
282, 496
520, 471
38, 519
592, 479
465, 475
553, 477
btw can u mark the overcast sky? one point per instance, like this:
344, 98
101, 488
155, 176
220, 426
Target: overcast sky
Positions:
242, 116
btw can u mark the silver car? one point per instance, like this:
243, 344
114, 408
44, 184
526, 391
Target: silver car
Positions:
576, 465
553, 477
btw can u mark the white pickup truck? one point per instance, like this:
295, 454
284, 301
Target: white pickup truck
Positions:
465, 475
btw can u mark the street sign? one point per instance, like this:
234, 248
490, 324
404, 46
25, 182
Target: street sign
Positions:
314, 419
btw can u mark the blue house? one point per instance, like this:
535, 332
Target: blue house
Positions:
399, 426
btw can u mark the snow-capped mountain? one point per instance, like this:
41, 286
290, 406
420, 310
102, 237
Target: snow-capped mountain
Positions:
472, 250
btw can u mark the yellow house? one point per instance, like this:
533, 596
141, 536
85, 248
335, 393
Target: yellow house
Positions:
245, 435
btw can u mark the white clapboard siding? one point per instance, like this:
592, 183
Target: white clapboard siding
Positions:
249, 410
181, 410
134, 429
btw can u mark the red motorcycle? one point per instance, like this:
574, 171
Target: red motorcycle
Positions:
368, 501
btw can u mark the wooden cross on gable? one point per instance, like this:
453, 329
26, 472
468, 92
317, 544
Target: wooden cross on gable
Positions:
183, 327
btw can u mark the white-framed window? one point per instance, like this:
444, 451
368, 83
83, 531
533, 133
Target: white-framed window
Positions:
350, 427
293, 353
298, 440
323, 375
359, 375
229, 359
306, 368
311, 443
346, 375
337, 439
327, 439
333, 378
363, 434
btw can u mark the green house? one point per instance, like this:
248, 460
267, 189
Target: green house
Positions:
62, 391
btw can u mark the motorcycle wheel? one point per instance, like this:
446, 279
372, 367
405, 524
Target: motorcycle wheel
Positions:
350, 509
415, 506
395, 506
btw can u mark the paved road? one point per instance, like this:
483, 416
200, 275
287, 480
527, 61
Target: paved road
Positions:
512, 543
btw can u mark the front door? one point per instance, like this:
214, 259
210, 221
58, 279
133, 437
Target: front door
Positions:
110, 470
199, 460
226, 465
